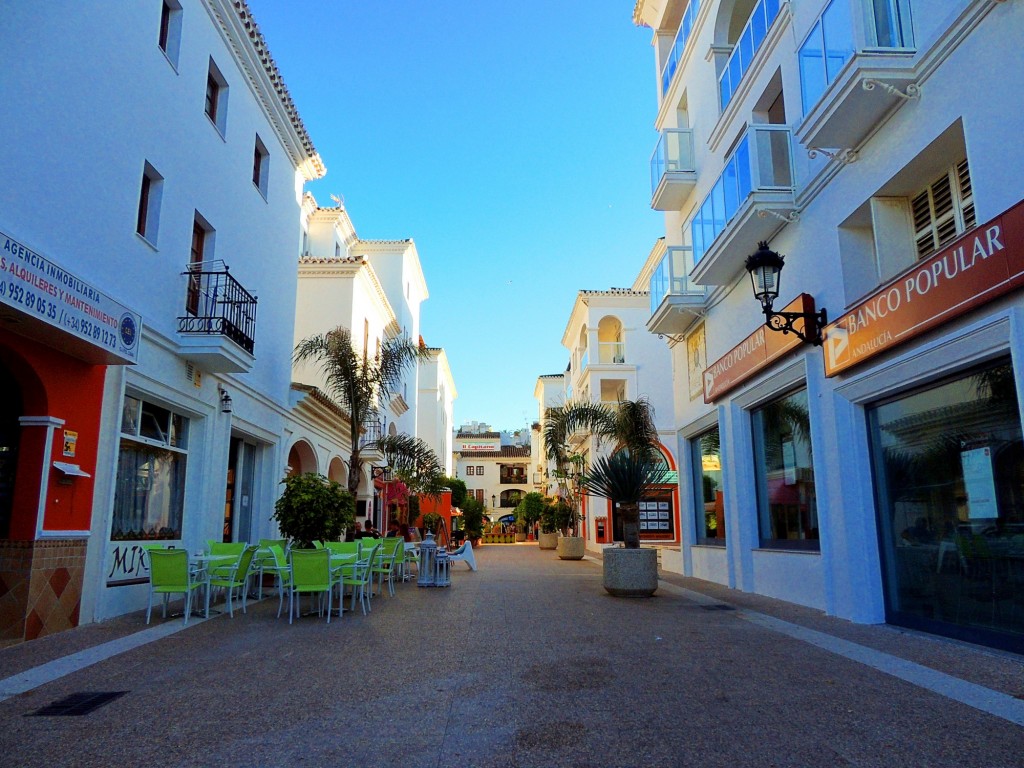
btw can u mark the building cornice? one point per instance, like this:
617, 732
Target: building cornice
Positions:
235, 22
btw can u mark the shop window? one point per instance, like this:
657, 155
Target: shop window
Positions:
147, 222
709, 504
787, 504
150, 487
169, 36
943, 210
949, 476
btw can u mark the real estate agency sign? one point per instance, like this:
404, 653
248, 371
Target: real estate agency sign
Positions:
979, 267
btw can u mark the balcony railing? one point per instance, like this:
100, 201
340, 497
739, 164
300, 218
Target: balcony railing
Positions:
672, 277
673, 174
747, 46
854, 46
763, 161
217, 305
679, 44
611, 352
370, 433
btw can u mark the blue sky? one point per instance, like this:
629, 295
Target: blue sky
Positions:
511, 141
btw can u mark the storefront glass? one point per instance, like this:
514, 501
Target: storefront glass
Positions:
949, 468
709, 505
787, 503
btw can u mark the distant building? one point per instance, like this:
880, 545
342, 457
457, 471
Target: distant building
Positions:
497, 475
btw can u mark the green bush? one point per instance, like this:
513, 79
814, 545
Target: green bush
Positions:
557, 516
473, 518
529, 511
313, 508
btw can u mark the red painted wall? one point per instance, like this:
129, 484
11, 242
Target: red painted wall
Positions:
441, 505
56, 385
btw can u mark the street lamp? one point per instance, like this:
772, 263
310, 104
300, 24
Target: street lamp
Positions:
765, 268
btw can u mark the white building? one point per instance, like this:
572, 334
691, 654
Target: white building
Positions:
497, 475
156, 208
435, 403
874, 145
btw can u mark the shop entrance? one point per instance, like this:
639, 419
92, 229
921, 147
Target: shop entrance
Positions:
10, 432
949, 469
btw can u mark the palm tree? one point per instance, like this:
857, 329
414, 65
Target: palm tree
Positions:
627, 426
357, 382
414, 463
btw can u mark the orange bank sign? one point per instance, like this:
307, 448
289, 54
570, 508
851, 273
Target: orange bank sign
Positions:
979, 267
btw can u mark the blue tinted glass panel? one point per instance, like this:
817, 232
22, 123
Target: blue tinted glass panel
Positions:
812, 69
708, 224
746, 49
771, 10
742, 159
724, 91
836, 25
730, 185
718, 199
697, 235
758, 27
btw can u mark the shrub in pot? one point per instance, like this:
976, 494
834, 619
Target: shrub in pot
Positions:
313, 508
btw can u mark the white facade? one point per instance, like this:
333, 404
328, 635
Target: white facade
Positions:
85, 131
857, 165
435, 403
497, 475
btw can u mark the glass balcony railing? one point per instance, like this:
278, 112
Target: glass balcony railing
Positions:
679, 44
611, 352
832, 42
673, 154
747, 46
672, 277
763, 161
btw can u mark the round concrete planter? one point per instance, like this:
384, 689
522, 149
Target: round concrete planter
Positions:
631, 572
548, 540
520, 537
570, 548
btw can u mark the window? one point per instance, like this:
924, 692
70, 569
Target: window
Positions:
480, 495
169, 36
148, 220
470, 471
216, 98
150, 488
948, 464
337, 250
260, 166
201, 241
944, 210
787, 505
480, 471
707, 485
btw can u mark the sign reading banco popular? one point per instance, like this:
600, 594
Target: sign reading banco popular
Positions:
40, 288
973, 270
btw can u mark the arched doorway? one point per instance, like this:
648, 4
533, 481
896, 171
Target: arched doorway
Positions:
11, 409
301, 459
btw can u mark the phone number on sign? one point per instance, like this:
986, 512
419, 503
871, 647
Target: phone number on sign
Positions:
51, 310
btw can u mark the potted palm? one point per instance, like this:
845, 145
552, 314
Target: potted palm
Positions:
622, 478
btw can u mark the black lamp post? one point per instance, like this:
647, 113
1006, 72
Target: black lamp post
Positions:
765, 268
382, 473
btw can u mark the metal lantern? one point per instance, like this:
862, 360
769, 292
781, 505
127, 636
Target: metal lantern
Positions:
442, 569
428, 558
765, 268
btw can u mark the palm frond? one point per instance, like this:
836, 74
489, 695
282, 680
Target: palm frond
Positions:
624, 477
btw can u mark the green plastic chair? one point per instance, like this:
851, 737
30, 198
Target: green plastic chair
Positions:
383, 566
263, 560
234, 548
317, 544
359, 575
311, 574
235, 577
281, 571
169, 574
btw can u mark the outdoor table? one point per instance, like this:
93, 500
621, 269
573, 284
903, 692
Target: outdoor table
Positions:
202, 562
338, 561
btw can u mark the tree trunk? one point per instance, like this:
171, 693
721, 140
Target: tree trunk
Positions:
630, 514
355, 472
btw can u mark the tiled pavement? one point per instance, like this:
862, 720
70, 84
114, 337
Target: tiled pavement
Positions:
526, 662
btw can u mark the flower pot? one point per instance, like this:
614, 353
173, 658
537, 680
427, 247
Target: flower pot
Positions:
631, 572
520, 537
571, 548
548, 540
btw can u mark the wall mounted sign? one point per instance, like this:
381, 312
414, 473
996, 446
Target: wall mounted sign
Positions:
757, 351
101, 330
973, 270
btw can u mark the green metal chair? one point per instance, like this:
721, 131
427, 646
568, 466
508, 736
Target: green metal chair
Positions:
359, 575
169, 574
234, 548
310, 574
263, 561
282, 573
234, 577
383, 566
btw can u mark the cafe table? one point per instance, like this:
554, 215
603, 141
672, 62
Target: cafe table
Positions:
338, 561
201, 562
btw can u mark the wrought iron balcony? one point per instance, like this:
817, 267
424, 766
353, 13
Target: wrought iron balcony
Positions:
216, 307
370, 433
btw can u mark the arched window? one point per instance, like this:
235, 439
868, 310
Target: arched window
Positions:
610, 339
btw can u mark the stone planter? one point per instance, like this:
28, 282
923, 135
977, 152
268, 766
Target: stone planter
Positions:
520, 537
548, 540
631, 572
571, 548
